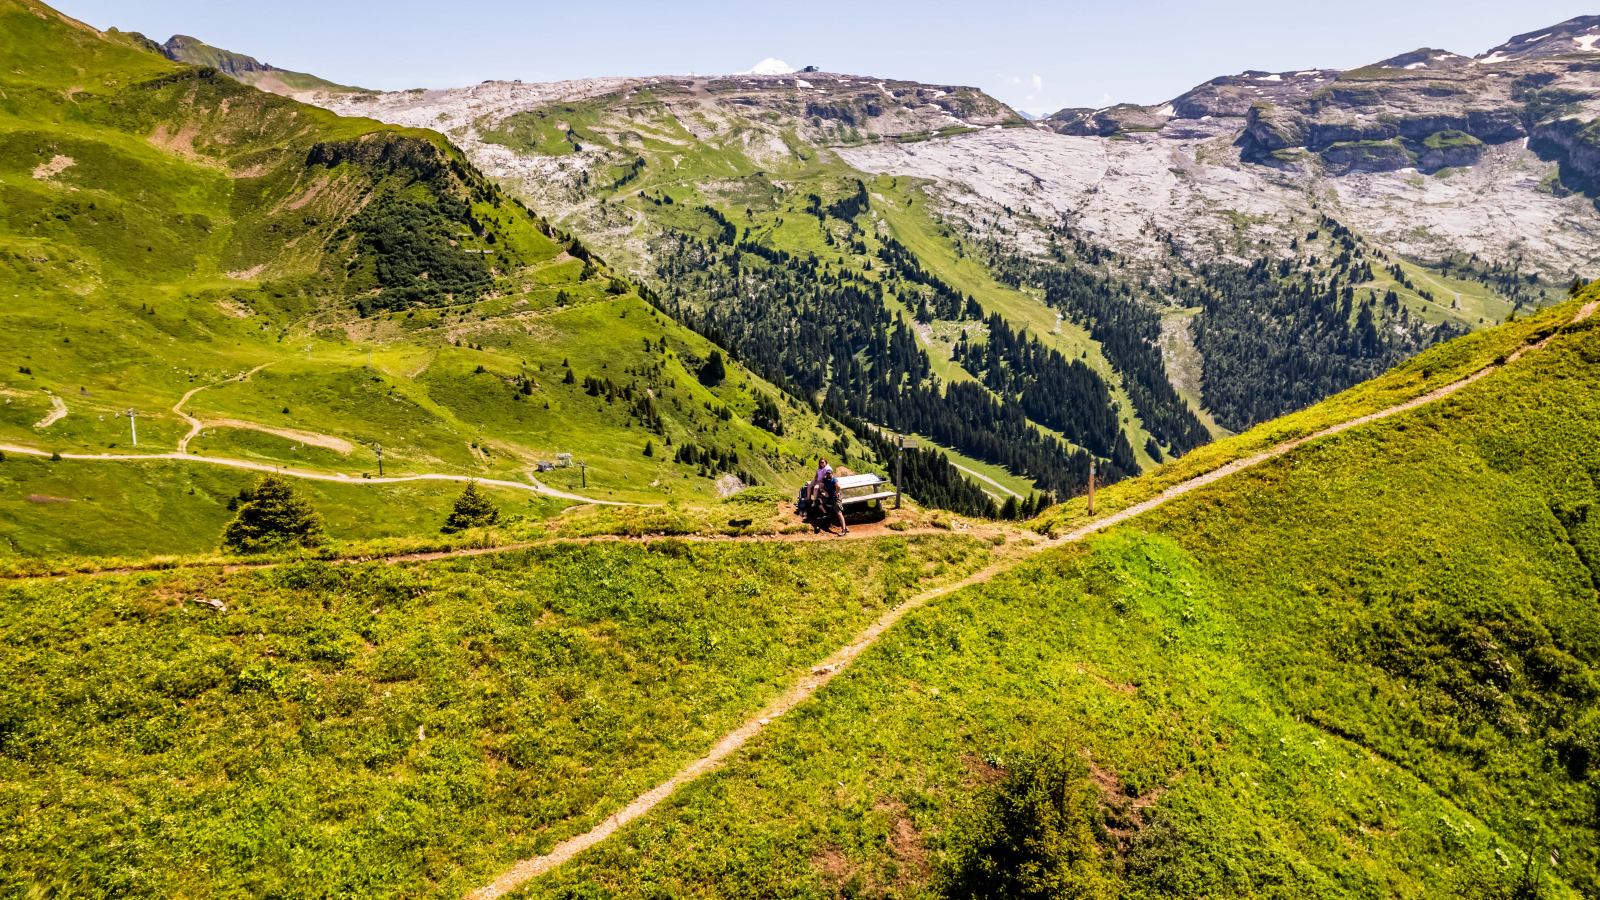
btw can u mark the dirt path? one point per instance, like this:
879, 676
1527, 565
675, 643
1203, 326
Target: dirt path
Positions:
340, 477
195, 425
824, 671
1429, 279
308, 438
58, 411
983, 477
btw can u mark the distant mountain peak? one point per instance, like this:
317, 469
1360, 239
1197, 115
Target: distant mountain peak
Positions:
1577, 35
195, 52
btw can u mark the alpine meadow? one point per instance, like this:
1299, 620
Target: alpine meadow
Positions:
796, 484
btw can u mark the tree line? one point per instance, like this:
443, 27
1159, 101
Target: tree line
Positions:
1128, 330
815, 328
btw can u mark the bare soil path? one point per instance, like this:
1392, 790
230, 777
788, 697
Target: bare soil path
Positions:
195, 425
824, 671
58, 411
983, 477
339, 477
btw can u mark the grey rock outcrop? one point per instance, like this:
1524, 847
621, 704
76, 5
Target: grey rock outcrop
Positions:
1428, 108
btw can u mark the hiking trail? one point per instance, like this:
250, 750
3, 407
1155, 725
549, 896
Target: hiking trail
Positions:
825, 671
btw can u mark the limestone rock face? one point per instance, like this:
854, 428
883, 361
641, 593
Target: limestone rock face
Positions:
1428, 152
1543, 85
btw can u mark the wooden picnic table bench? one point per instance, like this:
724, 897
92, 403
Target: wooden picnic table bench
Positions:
869, 480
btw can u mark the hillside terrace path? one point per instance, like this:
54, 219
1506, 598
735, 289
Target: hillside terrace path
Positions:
825, 671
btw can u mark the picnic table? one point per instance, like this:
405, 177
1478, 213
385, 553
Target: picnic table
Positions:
857, 482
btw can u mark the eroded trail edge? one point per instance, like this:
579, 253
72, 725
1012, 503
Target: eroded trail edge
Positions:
825, 671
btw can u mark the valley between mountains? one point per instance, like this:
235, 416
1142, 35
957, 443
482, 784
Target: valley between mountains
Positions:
397, 489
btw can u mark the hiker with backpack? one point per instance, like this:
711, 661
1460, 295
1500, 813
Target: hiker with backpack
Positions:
828, 497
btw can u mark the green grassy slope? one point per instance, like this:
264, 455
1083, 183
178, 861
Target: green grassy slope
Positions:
164, 228
389, 731
1368, 668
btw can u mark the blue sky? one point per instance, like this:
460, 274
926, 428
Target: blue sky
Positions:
1037, 56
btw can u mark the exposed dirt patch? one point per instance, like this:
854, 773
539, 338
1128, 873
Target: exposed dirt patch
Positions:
235, 309
1126, 690
247, 274
312, 438
981, 772
180, 143
908, 850
1123, 814
301, 200
54, 167
46, 498
58, 411
835, 867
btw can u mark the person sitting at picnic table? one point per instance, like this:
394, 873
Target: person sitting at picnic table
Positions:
828, 494
823, 471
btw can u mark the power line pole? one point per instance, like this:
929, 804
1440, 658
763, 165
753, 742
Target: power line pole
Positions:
380, 459
583, 469
1091, 487
133, 427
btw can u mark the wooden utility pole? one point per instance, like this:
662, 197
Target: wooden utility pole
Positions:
899, 455
380, 459
583, 470
1091, 487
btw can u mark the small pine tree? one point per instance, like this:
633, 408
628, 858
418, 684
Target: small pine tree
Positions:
570, 379
649, 448
713, 372
274, 516
473, 509
1009, 510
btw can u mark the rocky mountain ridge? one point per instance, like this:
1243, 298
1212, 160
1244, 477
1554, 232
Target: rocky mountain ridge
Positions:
1428, 109
195, 52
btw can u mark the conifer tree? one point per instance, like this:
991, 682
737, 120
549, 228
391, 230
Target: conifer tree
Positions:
273, 516
713, 372
473, 509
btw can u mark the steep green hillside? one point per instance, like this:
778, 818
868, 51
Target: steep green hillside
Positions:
306, 287
1367, 668
379, 731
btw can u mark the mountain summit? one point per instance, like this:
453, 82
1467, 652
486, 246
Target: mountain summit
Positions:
195, 52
